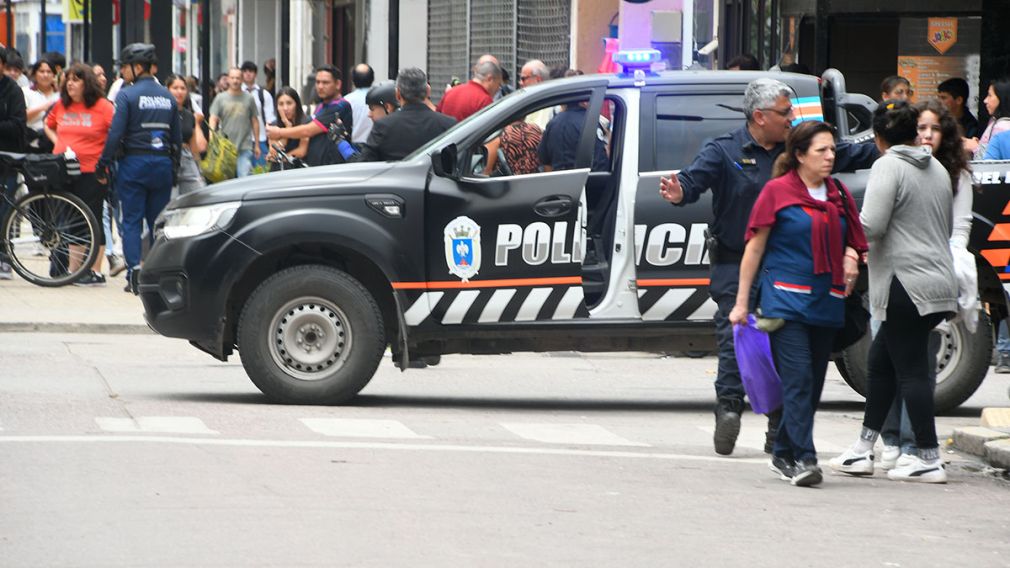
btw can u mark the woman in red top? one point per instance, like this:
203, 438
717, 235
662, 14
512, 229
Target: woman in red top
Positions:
80, 122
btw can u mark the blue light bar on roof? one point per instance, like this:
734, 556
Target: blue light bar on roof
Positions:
637, 58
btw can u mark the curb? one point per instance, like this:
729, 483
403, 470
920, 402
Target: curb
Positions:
998, 453
975, 440
69, 327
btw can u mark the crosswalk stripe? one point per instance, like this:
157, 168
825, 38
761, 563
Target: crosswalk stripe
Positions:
574, 434
361, 428
155, 424
754, 439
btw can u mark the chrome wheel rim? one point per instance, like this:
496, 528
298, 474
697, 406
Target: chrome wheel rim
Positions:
951, 350
310, 338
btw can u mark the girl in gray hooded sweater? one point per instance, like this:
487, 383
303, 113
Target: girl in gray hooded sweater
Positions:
907, 217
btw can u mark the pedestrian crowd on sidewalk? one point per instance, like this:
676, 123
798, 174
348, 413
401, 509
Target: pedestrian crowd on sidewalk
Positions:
130, 171
789, 240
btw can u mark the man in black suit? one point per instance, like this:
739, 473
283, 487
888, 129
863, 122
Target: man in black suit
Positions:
406, 130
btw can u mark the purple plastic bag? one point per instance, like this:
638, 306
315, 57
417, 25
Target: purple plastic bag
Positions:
757, 369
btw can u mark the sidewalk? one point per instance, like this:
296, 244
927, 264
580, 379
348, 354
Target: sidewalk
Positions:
25, 307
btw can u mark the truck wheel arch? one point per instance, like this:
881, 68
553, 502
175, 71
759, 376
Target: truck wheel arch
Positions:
323, 253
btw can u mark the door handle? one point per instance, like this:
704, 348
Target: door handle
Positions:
553, 206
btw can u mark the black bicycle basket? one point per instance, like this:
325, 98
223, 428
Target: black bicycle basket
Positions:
48, 171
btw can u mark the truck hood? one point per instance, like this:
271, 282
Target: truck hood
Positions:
301, 182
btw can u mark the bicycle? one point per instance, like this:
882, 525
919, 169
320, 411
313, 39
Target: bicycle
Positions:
49, 235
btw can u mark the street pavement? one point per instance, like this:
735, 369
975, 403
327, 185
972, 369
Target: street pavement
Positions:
132, 449
106, 309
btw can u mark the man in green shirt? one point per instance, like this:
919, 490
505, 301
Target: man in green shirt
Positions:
235, 111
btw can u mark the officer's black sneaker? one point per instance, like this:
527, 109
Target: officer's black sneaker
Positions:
727, 425
774, 418
91, 279
785, 468
808, 473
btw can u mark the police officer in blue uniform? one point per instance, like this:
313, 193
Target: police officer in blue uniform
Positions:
144, 141
736, 167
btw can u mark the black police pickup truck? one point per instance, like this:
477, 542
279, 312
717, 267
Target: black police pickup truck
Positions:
311, 274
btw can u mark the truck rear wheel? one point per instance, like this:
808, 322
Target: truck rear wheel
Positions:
311, 335
961, 364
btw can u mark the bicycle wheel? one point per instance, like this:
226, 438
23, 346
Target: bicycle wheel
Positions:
47, 233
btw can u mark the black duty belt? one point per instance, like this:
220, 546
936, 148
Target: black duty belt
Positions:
723, 255
143, 152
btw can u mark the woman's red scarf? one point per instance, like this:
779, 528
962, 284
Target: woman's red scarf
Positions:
825, 235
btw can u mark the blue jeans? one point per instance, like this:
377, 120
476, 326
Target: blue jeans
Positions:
144, 187
264, 149
801, 354
1003, 339
109, 213
724, 284
245, 163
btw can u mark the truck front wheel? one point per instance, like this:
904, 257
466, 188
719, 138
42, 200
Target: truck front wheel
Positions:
311, 335
961, 363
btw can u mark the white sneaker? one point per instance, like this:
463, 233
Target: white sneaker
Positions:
919, 470
853, 462
905, 460
889, 457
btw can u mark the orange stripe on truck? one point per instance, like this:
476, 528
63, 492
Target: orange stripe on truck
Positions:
997, 257
502, 283
655, 282
1000, 232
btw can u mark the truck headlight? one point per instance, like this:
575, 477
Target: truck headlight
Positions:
192, 221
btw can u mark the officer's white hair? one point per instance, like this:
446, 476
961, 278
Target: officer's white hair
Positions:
762, 93
538, 68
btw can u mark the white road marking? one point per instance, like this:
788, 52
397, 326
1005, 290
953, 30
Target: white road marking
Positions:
421, 308
496, 305
155, 424
532, 304
305, 444
574, 434
459, 306
755, 440
361, 428
668, 303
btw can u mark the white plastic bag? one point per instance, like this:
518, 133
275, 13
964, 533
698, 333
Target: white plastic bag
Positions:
967, 287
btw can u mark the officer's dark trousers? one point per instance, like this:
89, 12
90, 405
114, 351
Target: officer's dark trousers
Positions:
801, 354
724, 284
143, 187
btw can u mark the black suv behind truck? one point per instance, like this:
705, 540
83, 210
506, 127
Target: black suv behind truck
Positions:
311, 274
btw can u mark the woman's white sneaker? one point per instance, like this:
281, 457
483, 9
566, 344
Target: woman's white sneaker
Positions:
853, 462
915, 468
889, 457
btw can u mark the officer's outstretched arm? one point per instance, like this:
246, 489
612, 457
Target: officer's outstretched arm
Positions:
706, 171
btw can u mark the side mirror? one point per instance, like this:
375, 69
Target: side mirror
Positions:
443, 162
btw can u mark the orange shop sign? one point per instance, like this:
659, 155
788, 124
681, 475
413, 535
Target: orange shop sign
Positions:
942, 33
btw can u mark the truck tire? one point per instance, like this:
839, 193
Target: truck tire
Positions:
962, 362
311, 335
